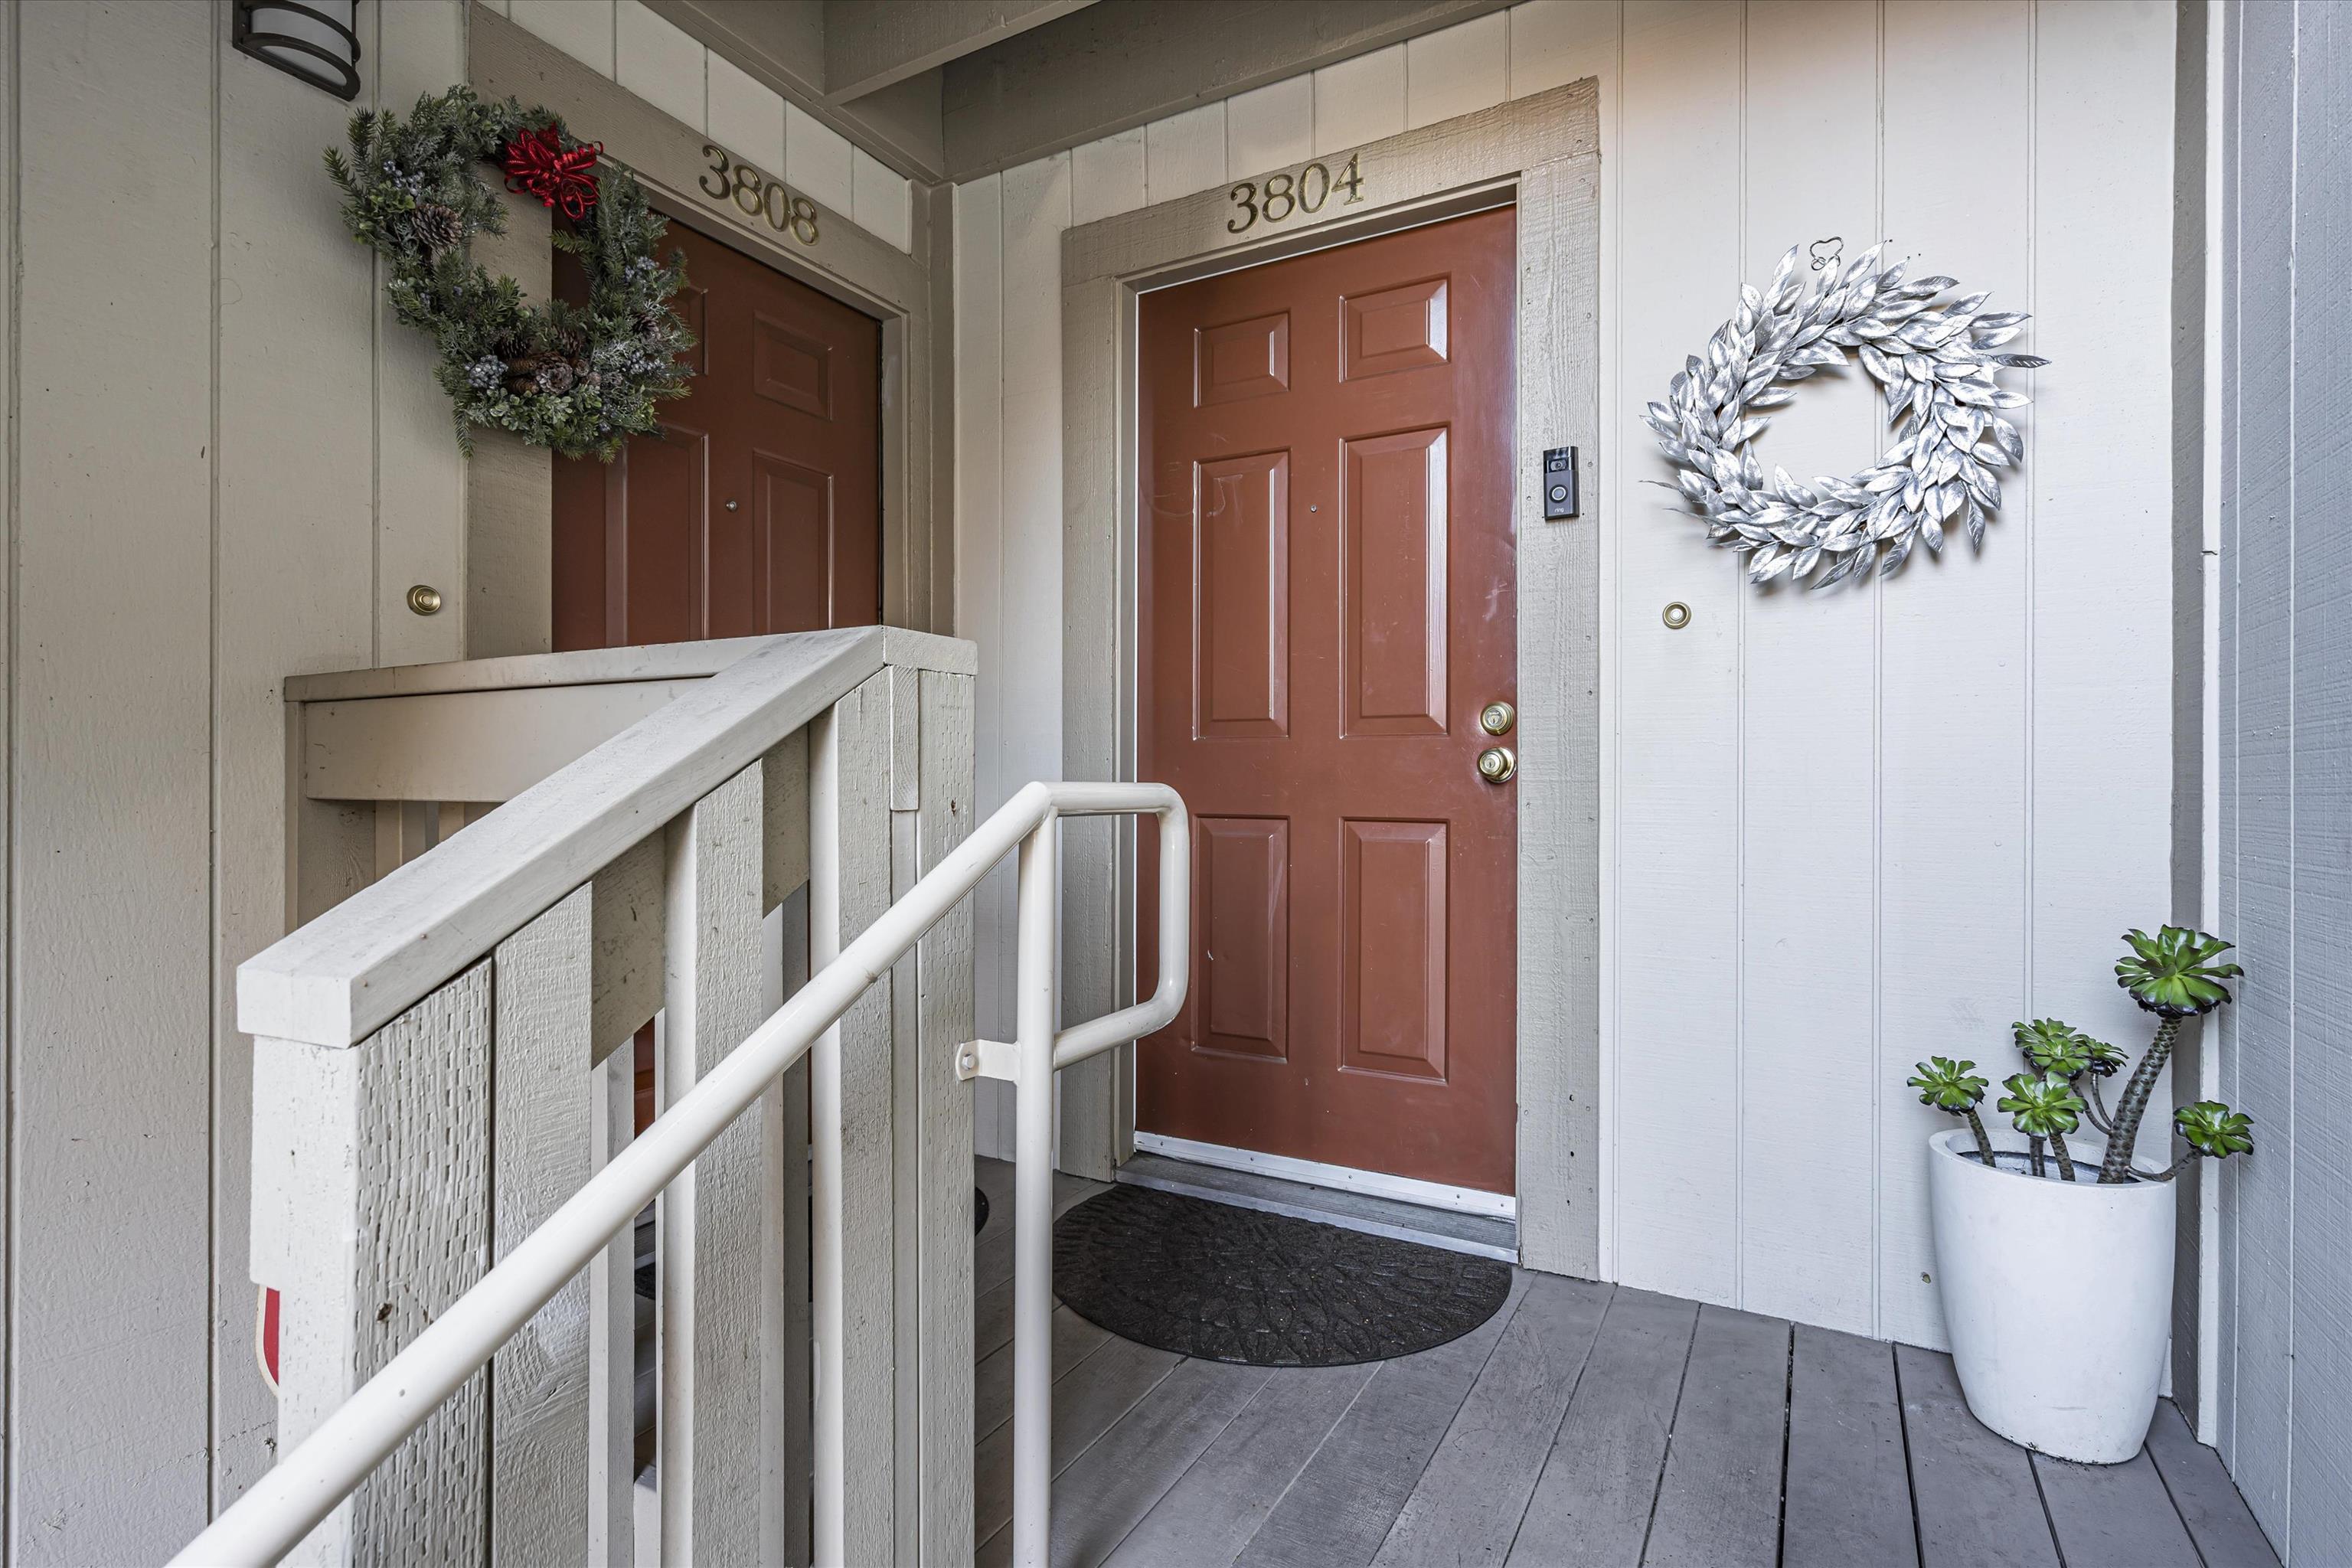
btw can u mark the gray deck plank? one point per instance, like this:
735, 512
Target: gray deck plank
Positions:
1974, 1492
1467, 1504
1109, 1489
1592, 1505
2113, 1516
1087, 1402
1075, 1338
2219, 1520
1341, 1507
1210, 1514
1848, 1500
1719, 1501
991, 1320
991, 1250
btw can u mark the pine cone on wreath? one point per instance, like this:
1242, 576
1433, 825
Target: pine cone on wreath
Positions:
435, 228
555, 377
522, 374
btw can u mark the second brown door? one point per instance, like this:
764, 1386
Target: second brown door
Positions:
758, 508
1329, 602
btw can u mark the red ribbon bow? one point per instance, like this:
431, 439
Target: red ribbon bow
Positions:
537, 164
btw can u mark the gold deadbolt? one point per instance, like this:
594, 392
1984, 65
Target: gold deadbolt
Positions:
1676, 616
1496, 718
425, 599
1496, 764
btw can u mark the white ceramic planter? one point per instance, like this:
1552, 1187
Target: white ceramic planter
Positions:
2057, 1296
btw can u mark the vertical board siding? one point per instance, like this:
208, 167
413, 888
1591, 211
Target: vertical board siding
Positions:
1457, 70
1270, 127
2257, 718
978, 270
2321, 983
1838, 832
1808, 723
110, 1324
2286, 755
1954, 898
294, 592
1184, 152
2101, 511
1676, 1107
420, 487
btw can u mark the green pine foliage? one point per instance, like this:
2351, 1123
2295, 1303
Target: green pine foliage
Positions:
579, 379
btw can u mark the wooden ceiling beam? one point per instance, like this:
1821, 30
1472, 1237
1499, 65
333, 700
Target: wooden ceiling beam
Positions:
1120, 63
873, 44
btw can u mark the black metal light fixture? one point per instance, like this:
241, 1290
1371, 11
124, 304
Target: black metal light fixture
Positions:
313, 41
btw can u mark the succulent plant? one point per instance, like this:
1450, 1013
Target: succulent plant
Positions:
2214, 1132
1952, 1085
2044, 1106
2175, 974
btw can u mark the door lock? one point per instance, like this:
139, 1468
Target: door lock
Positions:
1496, 718
1496, 764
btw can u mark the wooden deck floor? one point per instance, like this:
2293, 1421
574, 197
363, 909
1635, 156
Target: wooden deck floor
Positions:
1583, 1425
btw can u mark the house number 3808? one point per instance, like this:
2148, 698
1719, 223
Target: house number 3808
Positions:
756, 196
1285, 194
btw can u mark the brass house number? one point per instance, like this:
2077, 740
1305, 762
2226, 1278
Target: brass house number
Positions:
1287, 194
756, 196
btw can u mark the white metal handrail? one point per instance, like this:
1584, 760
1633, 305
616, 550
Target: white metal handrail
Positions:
308, 1483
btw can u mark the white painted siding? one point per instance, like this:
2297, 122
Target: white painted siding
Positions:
653, 58
1839, 832
233, 463
2283, 1413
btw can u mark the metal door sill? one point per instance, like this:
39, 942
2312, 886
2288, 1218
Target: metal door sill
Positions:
1481, 1236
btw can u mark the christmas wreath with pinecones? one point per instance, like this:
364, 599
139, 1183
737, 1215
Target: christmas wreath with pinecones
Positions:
578, 380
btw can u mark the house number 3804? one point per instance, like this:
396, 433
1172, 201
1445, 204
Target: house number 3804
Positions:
1285, 194
756, 196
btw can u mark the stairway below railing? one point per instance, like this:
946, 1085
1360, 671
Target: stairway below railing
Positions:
444, 1180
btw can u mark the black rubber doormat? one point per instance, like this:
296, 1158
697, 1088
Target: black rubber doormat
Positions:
1235, 1285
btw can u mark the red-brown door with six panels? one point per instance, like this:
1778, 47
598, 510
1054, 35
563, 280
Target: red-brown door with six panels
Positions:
758, 508
1328, 604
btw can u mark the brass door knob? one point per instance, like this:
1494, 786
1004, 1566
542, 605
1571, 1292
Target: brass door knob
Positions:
1496, 718
423, 599
1496, 764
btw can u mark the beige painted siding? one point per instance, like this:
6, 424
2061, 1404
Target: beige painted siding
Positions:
1839, 832
229, 465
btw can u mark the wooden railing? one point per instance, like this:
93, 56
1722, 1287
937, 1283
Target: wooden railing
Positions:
437, 1069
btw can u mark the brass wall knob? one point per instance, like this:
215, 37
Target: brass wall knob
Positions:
1676, 616
1496, 718
425, 599
1496, 764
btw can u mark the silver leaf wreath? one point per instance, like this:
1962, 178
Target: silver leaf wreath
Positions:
1935, 365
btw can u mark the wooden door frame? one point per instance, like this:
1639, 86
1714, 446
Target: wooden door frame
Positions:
908, 293
1541, 155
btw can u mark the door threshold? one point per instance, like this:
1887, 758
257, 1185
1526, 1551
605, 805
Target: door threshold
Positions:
1338, 1178
1480, 1234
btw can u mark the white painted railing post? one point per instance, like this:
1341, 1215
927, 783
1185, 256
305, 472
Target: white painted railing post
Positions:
371, 1215
713, 1219
1033, 1199
851, 1107
546, 1097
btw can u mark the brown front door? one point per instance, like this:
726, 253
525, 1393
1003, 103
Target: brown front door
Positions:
1329, 600
758, 509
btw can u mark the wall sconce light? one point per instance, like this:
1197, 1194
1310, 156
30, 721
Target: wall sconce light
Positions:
313, 41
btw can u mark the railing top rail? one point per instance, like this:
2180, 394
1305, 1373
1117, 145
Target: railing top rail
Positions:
345, 974
601, 666
307, 1483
